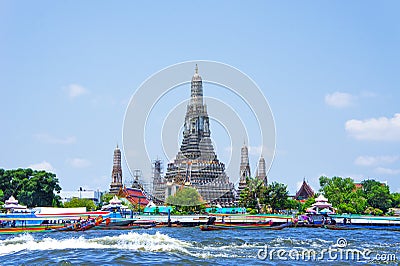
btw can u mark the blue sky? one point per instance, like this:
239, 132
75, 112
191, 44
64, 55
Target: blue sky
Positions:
330, 71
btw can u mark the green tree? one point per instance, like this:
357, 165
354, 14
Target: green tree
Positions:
186, 200
308, 203
106, 197
77, 202
343, 195
1, 197
32, 188
396, 200
373, 211
249, 197
377, 194
276, 196
293, 204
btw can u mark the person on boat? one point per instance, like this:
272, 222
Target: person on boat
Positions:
78, 223
345, 221
98, 220
211, 220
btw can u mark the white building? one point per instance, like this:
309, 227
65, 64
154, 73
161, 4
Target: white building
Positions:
94, 195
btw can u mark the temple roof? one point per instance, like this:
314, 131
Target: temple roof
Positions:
135, 195
305, 191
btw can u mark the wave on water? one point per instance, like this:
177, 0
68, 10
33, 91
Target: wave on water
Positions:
129, 241
293, 242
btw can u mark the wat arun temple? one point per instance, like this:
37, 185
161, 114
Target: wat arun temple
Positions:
196, 164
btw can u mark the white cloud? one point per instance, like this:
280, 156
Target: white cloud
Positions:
382, 128
375, 160
339, 99
78, 162
46, 166
43, 137
75, 90
387, 171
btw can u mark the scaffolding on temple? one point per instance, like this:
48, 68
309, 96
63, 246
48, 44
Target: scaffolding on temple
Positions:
116, 175
159, 182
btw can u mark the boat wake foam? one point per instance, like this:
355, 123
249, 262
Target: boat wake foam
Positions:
293, 242
130, 241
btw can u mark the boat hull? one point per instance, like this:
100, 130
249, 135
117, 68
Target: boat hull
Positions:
215, 227
363, 227
307, 225
30, 229
123, 227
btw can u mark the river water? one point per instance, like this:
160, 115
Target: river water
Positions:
190, 246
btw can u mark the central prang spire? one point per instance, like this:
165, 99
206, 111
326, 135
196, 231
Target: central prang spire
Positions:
196, 127
196, 97
196, 164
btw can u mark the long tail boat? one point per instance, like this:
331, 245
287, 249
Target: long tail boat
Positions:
81, 225
212, 225
363, 227
135, 224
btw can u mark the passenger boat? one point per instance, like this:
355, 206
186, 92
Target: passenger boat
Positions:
20, 219
364, 222
30, 228
119, 214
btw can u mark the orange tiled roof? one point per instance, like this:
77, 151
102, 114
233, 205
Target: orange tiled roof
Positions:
135, 195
